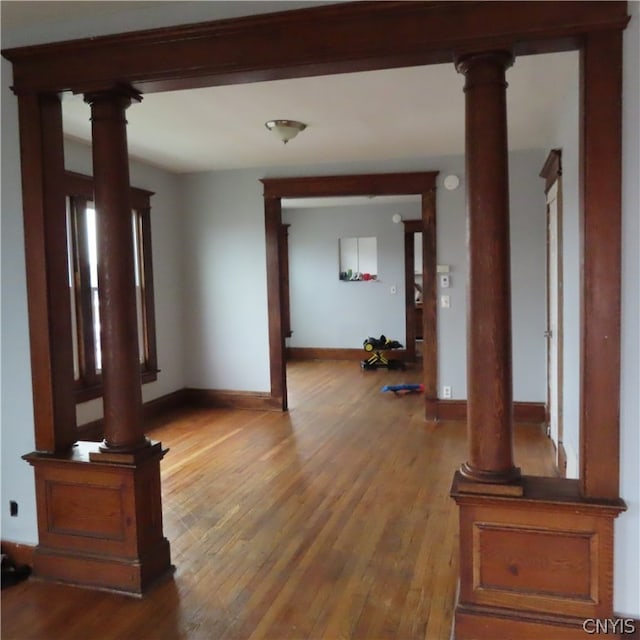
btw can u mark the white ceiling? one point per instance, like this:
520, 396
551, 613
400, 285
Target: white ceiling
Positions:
390, 114
395, 113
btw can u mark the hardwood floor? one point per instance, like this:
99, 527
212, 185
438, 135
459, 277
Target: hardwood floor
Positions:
330, 521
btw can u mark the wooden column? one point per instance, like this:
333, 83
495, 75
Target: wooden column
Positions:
490, 407
123, 427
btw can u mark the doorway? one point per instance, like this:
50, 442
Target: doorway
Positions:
275, 189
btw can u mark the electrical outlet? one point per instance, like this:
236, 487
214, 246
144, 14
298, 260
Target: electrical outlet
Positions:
446, 392
13, 508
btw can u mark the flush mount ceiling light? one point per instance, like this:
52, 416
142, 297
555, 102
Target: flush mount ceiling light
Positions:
285, 129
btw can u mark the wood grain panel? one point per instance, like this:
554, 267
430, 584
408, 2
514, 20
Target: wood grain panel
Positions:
71, 510
533, 561
546, 556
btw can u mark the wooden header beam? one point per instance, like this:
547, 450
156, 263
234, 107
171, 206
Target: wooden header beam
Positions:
376, 184
337, 38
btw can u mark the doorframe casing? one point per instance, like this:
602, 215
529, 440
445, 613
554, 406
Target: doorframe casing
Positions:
552, 174
413, 183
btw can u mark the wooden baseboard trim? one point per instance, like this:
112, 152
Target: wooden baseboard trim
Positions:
19, 553
218, 399
153, 409
533, 412
326, 353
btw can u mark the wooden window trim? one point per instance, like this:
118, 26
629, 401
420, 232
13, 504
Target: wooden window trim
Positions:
79, 188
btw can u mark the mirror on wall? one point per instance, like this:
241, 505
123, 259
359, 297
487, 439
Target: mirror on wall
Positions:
358, 259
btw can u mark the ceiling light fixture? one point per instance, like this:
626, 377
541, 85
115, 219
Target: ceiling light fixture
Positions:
285, 129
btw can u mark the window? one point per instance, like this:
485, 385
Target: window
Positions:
84, 287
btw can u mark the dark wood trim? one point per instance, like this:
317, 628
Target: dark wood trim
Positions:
429, 301
219, 398
374, 184
409, 293
285, 297
411, 227
277, 369
20, 554
80, 184
601, 182
256, 48
150, 364
552, 168
88, 376
80, 190
42, 163
530, 412
152, 410
552, 174
357, 184
329, 353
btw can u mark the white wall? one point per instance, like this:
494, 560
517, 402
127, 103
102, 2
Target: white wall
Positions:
226, 255
327, 311
17, 435
226, 340
167, 255
627, 527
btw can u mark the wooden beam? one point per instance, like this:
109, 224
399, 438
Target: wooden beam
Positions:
345, 37
373, 184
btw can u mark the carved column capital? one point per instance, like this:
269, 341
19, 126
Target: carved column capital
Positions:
122, 95
476, 63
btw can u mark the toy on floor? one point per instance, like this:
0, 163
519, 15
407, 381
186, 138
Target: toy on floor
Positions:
403, 389
377, 360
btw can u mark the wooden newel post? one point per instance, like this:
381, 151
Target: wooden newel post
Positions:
489, 378
123, 425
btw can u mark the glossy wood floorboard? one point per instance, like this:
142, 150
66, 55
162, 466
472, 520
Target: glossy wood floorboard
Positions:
330, 521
